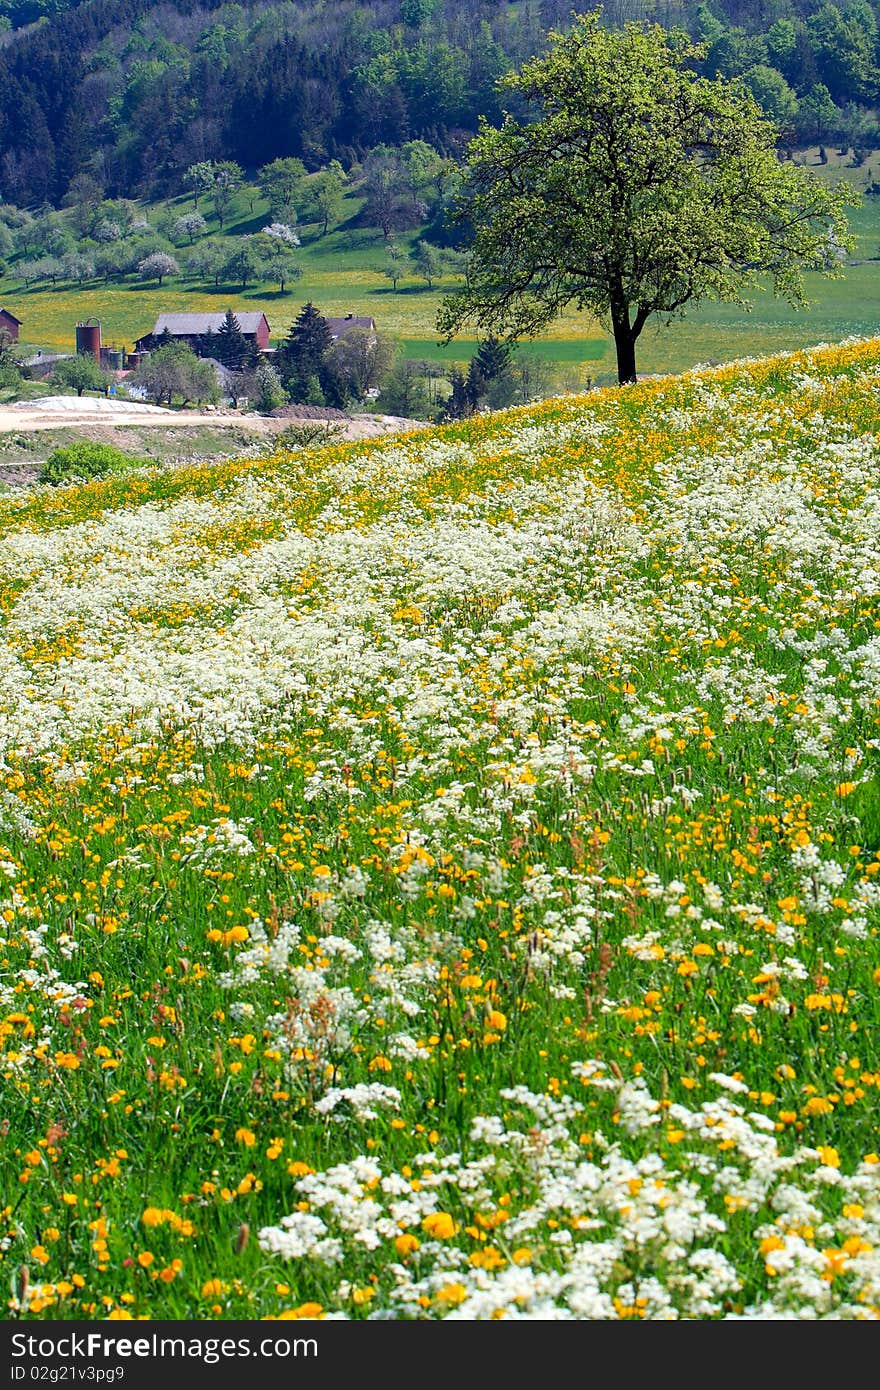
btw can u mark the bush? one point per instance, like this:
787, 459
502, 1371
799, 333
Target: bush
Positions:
311, 434
73, 462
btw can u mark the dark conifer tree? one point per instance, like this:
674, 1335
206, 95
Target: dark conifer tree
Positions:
230, 345
491, 358
489, 362
301, 356
459, 403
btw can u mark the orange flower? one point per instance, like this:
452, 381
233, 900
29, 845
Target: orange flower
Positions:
439, 1224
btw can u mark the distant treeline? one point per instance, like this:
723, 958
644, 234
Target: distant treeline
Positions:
134, 91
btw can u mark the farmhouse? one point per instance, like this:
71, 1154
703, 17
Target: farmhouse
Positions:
9, 324
193, 328
339, 327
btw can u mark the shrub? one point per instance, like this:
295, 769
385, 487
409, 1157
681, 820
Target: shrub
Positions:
311, 434
85, 460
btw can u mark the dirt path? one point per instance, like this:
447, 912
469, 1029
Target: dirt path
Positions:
54, 412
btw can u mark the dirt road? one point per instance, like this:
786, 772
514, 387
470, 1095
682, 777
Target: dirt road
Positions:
54, 412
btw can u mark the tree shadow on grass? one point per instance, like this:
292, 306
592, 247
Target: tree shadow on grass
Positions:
402, 291
286, 293
247, 225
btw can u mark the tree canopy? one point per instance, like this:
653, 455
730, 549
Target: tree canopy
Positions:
301, 358
139, 95
635, 187
80, 373
174, 370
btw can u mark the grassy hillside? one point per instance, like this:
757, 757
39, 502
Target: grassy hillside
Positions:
453, 860
342, 273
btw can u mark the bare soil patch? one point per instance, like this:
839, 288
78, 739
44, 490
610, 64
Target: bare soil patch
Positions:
30, 430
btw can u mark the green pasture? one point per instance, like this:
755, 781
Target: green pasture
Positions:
544, 349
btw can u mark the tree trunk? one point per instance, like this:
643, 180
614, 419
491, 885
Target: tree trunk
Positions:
625, 334
625, 345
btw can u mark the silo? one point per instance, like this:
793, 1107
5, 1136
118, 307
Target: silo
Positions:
88, 338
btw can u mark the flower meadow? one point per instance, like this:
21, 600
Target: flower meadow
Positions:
440, 874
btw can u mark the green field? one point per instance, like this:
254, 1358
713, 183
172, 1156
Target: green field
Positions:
342, 273
545, 349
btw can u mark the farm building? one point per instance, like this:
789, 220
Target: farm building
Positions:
339, 327
9, 324
193, 328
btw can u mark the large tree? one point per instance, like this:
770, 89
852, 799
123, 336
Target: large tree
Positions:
326, 191
636, 188
227, 178
244, 262
80, 373
384, 186
190, 225
175, 370
199, 179
281, 184
301, 357
428, 262
278, 257
157, 265
361, 360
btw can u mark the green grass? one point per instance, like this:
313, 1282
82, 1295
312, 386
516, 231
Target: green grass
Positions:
548, 350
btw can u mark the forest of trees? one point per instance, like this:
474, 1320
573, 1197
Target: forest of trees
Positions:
134, 92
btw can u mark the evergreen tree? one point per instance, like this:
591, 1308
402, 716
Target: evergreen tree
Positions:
310, 393
490, 378
303, 352
474, 385
491, 358
231, 347
458, 403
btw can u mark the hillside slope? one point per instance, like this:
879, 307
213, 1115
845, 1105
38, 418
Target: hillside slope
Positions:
132, 92
454, 859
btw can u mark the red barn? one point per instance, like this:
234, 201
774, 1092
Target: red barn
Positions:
192, 329
9, 324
